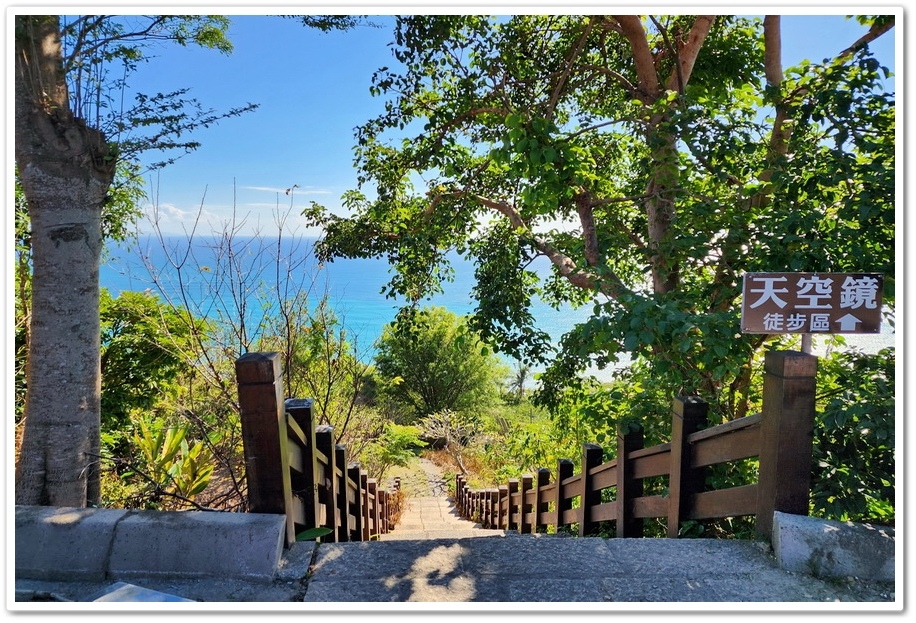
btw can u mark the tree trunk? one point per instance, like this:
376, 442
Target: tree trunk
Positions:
66, 170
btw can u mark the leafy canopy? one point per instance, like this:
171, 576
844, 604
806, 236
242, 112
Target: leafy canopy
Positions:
652, 159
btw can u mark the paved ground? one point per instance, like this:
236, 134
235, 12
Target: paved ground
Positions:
433, 556
436, 556
430, 517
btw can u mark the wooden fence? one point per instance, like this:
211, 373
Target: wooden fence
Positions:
780, 438
294, 468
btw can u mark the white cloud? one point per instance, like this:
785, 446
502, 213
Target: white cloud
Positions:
170, 219
295, 189
252, 220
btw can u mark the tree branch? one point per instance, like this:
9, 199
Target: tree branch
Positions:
687, 54
632, 29
570, 61
609, 285
873, 33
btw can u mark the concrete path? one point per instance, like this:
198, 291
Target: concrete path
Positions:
433, 555
520, 569
429, 517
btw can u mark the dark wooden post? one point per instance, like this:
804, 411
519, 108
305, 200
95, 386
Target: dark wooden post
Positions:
343, 509
688, 415
514, 506
460, 496
628, 487
591, 457
356, 508
524, 524
300, 410
324, 442
264, 436
382, 510
563, 502
502, 521
367, 504
494, 508
786, 436
459, 502
374, 510
541, 502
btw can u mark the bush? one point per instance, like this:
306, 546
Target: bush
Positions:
854, 438
431, 361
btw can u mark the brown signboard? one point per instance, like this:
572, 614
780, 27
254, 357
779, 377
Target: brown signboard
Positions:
811, 303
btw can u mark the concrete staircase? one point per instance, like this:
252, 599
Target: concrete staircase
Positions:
435, 556
432, 517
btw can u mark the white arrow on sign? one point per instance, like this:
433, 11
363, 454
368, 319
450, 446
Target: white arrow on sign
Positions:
848, 322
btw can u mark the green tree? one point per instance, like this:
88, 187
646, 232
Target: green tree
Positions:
395, 447
435, 362
144, 352
72, 137
66, 166
653, 160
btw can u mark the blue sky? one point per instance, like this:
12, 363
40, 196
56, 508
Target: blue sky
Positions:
313, 90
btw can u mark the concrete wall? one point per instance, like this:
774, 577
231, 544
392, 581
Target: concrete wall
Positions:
833, 549
54, 543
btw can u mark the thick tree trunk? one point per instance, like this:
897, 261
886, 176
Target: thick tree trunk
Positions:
66, 170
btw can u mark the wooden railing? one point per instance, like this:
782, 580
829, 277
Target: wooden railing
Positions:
780, 437
294, 467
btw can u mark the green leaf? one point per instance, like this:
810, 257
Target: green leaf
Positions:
313, 533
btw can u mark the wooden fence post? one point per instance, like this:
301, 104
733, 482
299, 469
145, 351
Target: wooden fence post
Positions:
524, 525
356, 508
382, 510
688, 415
343, 511
562, 502
461, 496
541, 503
264, 436
786, 436
493, 520
513, 496
300, 410
367, 504
591, 457
374, 509
459, 503
628, 487
502, 520
324, 442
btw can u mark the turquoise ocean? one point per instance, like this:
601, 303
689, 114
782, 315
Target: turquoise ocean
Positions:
354, 286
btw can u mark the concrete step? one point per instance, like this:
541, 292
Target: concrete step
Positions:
532, 568
441, 533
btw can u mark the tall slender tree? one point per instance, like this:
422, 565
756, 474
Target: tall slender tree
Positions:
66, 168
69, 141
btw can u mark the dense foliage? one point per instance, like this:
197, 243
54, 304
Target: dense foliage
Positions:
653, 160
436, 363
854, 470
